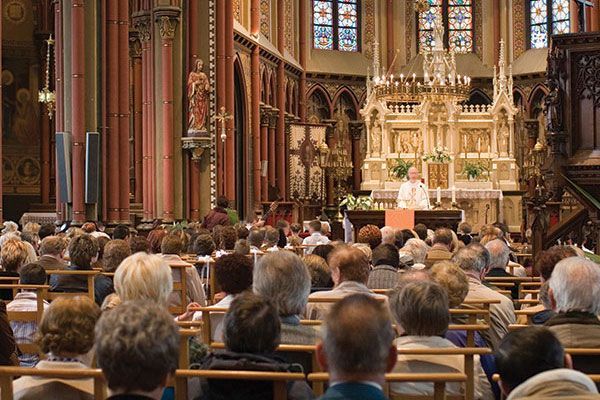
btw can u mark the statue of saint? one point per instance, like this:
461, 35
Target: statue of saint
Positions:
552, 104
198, 89
503, 137
376, 138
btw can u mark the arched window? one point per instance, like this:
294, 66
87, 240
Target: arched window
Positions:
336, 25
547, 17
456, 16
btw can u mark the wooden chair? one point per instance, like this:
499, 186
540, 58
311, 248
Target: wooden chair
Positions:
474, 315
439, 382
280, 379
385, 292
528, 313
8, 373
184, 354
470, 329
516, 327
88, 274
179, 286
206, 322
41, 292
469, 354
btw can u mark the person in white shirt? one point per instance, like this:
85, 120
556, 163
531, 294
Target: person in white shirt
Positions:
316, 237
413, 193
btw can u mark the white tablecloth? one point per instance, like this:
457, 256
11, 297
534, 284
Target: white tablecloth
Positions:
461, 194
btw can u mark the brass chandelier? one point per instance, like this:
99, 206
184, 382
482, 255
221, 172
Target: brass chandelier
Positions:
47, 96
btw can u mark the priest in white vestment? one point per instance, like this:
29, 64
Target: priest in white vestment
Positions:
413, 194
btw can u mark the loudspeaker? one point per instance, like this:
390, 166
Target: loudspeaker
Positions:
63, 165
92, 167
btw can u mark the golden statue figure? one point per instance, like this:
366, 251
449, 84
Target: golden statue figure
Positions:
198, 89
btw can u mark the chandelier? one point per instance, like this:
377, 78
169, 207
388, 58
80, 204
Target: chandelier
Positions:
439, 83
46, 96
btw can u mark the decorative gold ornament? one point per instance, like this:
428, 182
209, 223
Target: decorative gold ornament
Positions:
47, 96
422, 5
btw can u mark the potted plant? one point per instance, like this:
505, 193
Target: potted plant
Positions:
352, 202
439, 155
474, 170
400, 170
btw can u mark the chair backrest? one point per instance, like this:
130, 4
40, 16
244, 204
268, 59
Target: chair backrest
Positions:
8, 373
88, 274
206, 322
439, 381
469, 354
179, 286
471, 330
41, 292
280, 379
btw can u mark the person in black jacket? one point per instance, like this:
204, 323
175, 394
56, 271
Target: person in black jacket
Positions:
252, 330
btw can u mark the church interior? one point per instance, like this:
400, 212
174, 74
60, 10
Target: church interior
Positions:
300, 159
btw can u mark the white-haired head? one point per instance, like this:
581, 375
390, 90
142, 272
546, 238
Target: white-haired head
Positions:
575, 285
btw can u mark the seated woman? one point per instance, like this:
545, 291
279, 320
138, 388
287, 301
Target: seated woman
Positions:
421, 310
252, 331
66, 336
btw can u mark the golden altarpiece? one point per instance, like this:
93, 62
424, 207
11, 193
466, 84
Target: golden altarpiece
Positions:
408, 118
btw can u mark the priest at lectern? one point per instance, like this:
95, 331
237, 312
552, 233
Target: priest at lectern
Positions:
413, 194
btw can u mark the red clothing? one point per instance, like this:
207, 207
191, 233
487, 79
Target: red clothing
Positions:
216, 216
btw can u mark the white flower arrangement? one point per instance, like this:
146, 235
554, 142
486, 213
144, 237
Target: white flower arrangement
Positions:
439, 154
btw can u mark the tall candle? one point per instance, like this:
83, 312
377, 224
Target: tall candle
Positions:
439, 194
453, 194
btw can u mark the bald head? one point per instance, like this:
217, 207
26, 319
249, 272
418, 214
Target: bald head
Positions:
413, 174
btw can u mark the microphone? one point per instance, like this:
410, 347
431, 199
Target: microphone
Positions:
426, 195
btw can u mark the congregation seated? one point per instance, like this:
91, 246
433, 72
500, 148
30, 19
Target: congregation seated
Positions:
324, 250
218, 215
24, 301
233, 273
413, 253
137, 348
499, 257
241, 247
52, 251
575, 296
251, 336
392, 236
271, 240
369, 235
227, 238
421, 310
315, 237
171, 248
357, 362
284, 278
320, 273
65, 336
115, 251
421, 231
532, 364
155, 238
464, 233
204, 245
46, 230
386, 264
13, 256
139, 244
121, 232
256, 238
294, 239
83, 251
441, 247
350, 273
473, 260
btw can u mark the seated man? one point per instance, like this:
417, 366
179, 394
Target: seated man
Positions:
575, 296
421, 310
473, 260
171, 248
83, 252
499, 257
218, 215
441, 245
252, 332
386, 262
357, 362
532, 364
52, 251
137, 347
350, 273
316, 237
26, 300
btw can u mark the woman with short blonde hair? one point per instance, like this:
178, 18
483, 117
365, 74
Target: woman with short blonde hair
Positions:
13, 255
144, 277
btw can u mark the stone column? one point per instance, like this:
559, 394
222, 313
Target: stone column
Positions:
137, 102
303, 34
77, 109
193, 55
230, 156
356, 130
167, 18
142, 23
221, 90
124, 157
281, 86
273, 119
58, 84
256, 125
264, 150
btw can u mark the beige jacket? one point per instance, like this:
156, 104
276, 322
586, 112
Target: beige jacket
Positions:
556, 384
317, 311
34, 388
195, 291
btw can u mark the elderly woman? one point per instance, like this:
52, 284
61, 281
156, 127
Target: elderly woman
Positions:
66, 336
371, 235
320, 273
115, 252
284, 278
13, 256
414, 253
421, 310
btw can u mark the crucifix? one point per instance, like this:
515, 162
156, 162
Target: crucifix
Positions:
222, 118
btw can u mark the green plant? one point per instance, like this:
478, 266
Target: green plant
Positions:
357, 203
474, 170
400, 170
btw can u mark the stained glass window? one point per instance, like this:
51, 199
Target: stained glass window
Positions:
456, 16
547, 17
336, 25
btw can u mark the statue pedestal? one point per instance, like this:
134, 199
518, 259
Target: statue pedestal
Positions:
375, 174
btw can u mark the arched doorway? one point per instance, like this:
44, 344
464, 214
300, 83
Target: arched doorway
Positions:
241, 148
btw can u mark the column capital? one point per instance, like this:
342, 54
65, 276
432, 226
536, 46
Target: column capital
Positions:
273, 118
135, 44
142, 24
265, 114
356, 129
167, 19
532, 128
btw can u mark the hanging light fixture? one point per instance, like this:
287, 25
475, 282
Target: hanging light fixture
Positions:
47, 96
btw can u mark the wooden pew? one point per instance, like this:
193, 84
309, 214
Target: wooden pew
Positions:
184, 353
179, 286
280, 379
90, 275
8, 373
206, 322
439, 381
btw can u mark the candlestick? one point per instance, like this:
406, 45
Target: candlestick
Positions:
453, 194
439, 194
